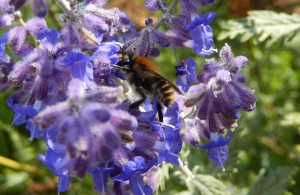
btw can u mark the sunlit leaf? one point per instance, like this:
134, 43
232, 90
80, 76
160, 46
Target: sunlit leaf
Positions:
264, 26
272, 182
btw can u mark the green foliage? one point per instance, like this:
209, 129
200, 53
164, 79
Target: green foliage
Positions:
201, 184
162, 175
272, 182
264, 25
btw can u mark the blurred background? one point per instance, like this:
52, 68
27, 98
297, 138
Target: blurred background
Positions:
264, 153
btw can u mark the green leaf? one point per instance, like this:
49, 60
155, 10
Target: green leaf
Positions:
208, 185
12, 181
272, 182
202, 184
161, 175
266, 26
291, 119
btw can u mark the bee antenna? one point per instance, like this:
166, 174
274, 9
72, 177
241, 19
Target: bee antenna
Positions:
120, 67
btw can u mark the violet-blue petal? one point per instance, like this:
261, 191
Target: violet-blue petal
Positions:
215, 143
5, 7
203, 38
22, 113
201, 34
17, 3
181, 69
35, 132
96, 24
51, 36
201, 20
172, 116
98, 2
80, 66
204, 2
155, 5
36, 25
218, 155
188, 7
16, 37
186, 74
4, 58
168, 157
100, 176
160, 38
3, 41
137, 186
6, 20
40, 7
136, 166
147, 116
217, 150
172, 146
63, 181
55, 162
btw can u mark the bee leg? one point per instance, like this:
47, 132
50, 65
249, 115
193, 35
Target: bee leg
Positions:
136, 104
160, 114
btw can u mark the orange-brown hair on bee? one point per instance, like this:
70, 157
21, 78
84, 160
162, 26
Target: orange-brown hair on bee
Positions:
144, 77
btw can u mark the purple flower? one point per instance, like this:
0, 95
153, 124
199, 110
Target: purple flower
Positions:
15, 5
22, 113
220, 93
4, 58
145, 43
57, 160
217, 150
89, 127
186, 72
137, 186
51, 36
171, 146
191, 7
67, 90
155, 5
100, 175
201, 33
36, 25
39, 78
16, 37
89, 22
102, 58
40, 7
97, 2
80, 66
176, 25
136, 166
6, 20
5, 7
164, 139
190, 133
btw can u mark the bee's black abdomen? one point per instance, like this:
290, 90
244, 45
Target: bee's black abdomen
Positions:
163, 91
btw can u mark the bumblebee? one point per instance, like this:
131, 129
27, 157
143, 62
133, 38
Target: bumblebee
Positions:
142, 74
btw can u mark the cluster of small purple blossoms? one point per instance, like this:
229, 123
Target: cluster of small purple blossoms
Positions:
69, 93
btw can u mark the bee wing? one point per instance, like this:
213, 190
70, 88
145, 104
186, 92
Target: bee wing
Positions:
156, 74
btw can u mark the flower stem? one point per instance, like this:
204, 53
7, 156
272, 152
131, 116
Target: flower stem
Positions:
65, 6
18, 18
169, 11
16, 165
185, 170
